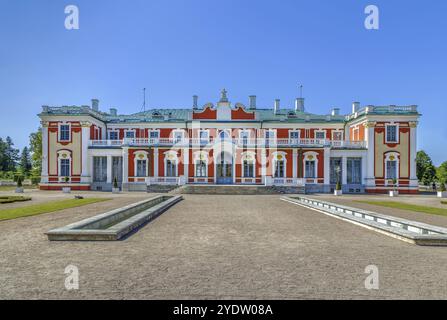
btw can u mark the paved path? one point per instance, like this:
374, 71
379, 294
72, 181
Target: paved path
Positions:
218, 247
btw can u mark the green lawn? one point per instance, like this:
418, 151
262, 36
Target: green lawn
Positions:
407, 206
32, 210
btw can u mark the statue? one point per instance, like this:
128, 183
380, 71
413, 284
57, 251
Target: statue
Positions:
223, 96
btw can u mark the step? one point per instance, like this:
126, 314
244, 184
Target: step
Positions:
236, 190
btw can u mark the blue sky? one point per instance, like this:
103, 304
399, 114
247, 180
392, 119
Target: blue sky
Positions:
179, 48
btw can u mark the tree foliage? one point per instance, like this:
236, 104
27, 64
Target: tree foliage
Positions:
425, 170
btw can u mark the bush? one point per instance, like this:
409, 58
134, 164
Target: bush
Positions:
67, 179
115, 183
11, 199
35, 180
338, 186
442, 186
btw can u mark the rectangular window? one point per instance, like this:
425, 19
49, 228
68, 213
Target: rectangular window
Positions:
178, 136
99, 169
171, 168
320, 135
391, 169
391, 133
64, 132
154, 134
113, 135
249, 169
310, 169
65, 168
279, 169
337, 136
294, 135
354, 170
203, 135
141, 168
201, 168
335, 170
130, 134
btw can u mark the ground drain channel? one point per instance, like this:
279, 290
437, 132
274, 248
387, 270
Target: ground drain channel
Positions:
115, 224
402, 229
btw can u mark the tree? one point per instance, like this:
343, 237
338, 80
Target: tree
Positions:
425, 170
2, 155
35, 141
441, 173
10, 155
25, 162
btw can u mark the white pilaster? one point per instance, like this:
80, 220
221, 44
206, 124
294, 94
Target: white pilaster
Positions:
155, 162
109, 169
369, 136
44, 173
344, 170
263, 164
85, 133
125, 165
186, 163
326, 172
294, 162
413, 151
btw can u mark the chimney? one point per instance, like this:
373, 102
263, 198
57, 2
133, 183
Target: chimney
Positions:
95, 104
195, 102
299, 105
276, 107
355, 107
335, 111
113, 112
252, 102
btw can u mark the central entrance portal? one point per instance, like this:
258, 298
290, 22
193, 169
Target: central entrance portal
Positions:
224, 168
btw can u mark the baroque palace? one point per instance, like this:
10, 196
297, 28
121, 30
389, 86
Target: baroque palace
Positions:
372, 149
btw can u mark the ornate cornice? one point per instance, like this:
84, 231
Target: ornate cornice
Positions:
370, 124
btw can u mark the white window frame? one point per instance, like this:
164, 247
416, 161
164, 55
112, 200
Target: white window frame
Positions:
198, 157
114, 131
60, 131
396, 125
337, 131
130, 130
136, 158
199, 136
320, 131
176, 160
249, 156
396, 158
152, 131
293, 131
173, 133
315, 159
275, 160
59, 158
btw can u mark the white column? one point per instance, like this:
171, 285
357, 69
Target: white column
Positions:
155, 162
186, 163
85, 133
326, 171
263, 164
369, 137
294, 162
109, 169
125, 165
44, 173
344, 170
413, 151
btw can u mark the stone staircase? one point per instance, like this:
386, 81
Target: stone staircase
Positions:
161, 188
236, 190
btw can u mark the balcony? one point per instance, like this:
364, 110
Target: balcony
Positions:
247, 143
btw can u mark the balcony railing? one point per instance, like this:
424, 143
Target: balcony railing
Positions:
249, 143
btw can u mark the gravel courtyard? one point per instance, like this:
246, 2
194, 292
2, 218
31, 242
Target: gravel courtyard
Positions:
217, 247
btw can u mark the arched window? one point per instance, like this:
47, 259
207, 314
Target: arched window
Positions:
64, 159
279, 165
248, 165
171, 164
